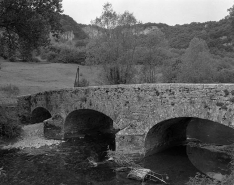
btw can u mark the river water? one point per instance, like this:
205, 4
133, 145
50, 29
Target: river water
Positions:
67, 164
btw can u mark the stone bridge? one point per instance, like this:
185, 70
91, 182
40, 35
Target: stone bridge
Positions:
145, 118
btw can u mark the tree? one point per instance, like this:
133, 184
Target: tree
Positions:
196, 66
29, 22
231, 16
114, 48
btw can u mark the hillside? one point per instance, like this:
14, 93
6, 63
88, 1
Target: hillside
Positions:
218, 35
70, 25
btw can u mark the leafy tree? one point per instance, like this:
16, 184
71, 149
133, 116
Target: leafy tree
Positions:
171, 69
231, 17
115, 46
27, 24
196, 66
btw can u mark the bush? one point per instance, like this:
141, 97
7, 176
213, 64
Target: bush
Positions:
83, 83
81, 43
51, 56
10, 90
9, 127
71, 56
200, 179
150, 74
118, 74
65, 53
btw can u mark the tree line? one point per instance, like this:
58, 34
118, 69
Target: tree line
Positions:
190, 53
127, 51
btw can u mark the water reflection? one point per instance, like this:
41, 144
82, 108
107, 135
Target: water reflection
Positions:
210, 153
63, 164
174, 162
67, 164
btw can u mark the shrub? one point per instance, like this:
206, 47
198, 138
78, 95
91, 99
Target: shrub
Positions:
83, 83
65, 53
36, 59
200, 179
51, 56
71, 56
9, 127
10, 90
118, 74
150, 74
81, 43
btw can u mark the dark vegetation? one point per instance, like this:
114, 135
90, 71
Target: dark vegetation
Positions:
9, 127
26, 25
129, 51
69, 24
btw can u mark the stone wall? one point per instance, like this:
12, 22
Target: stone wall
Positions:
135, 109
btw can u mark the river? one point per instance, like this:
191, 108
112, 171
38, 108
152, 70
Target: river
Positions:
66, 163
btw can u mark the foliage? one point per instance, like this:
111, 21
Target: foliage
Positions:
195, 66
123, 44
69, 24
9, 127
63, 53
171, 70
118, 74
81, 43
201, 179
231, 16
83, 83
115, 47
218, 35
26, 24
10, 90
149, 74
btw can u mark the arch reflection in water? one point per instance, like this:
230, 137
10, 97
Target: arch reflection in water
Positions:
167, 150
211, 154
91, 125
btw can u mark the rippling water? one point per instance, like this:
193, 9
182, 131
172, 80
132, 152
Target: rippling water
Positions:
67, 164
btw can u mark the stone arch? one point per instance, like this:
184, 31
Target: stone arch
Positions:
40, 114
180, 130
89, 123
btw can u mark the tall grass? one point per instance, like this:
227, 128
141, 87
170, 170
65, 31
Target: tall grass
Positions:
10, 90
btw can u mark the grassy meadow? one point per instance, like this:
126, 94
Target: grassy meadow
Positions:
20, 78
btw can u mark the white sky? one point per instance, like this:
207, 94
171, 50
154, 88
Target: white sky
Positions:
170, 12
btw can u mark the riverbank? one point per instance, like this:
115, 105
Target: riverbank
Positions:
31, 138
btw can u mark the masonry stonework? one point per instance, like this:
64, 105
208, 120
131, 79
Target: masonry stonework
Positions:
135, 109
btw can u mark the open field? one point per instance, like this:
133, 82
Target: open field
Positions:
35, 77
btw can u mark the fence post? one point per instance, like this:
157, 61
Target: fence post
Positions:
76, 84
